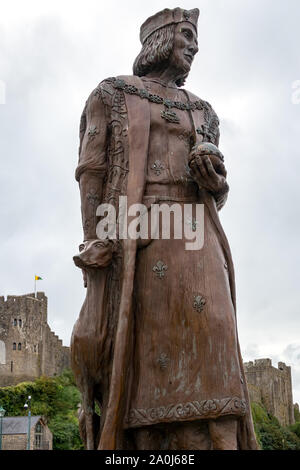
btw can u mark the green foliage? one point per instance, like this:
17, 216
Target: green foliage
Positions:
65, 433
55, 398
259, 414
295, 428
270, 434
297, 414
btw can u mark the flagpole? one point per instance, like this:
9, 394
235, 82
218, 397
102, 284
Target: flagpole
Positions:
35, 285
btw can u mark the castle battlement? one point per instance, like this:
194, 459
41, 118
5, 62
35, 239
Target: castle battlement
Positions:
40, 296
28, 347
272, 387
264, 363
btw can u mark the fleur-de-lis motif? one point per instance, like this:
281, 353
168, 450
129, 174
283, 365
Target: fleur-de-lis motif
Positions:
86, 224
93, 198
193, 223
204, 131
199, 303
157, 167
159, 269
93, 131
163, 361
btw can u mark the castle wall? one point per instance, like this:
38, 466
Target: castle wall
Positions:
272, 387
28, 348
56, 357
254, 393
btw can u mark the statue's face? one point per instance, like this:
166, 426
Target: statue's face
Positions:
185, 47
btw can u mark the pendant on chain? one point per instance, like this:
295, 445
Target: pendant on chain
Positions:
170, 116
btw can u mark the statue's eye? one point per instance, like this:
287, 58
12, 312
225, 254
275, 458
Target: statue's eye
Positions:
81, 247
187, 34
98, 245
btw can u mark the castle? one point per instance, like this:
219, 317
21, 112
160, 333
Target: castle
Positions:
28, 347
272, 387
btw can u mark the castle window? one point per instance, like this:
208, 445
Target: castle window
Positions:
2, 353
11, 366
20, 323
38, 428
15, 322
38, 438
19, 347
14, 346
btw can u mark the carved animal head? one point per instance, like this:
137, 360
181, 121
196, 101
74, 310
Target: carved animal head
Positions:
94, 254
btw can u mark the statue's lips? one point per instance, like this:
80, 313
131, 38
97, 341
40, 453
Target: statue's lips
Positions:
189, 57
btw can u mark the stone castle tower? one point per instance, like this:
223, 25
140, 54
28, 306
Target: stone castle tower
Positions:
28, 347
272, 387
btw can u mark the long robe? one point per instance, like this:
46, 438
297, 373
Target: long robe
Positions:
186, 361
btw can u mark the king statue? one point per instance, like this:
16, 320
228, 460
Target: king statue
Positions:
155, 350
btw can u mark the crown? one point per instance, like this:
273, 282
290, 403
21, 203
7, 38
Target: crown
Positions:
166, 17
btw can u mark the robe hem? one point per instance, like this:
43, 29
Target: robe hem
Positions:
190, 411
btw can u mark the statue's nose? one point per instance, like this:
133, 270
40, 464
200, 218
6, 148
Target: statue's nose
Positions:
77, 259
193, 48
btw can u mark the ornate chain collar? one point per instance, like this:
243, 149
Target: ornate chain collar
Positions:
167, 114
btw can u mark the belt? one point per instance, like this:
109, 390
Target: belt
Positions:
174, 192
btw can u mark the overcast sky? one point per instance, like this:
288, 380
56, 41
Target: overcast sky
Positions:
53, 53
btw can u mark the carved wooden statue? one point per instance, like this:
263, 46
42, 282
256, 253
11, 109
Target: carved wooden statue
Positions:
156, 343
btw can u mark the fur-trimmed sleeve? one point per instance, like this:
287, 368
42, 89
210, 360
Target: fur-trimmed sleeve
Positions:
214, 138
93, 133
213, 124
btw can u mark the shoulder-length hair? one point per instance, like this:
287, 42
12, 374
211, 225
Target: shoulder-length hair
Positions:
155, 52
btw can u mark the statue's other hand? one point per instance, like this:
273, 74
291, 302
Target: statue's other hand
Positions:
94, 254
209, 172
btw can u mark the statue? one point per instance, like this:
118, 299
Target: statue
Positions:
156, 346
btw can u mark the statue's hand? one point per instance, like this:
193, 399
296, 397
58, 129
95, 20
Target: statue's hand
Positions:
94, 254
209, 172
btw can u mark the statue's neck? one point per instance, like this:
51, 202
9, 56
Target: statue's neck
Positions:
96, 280
160, 82
167, 77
